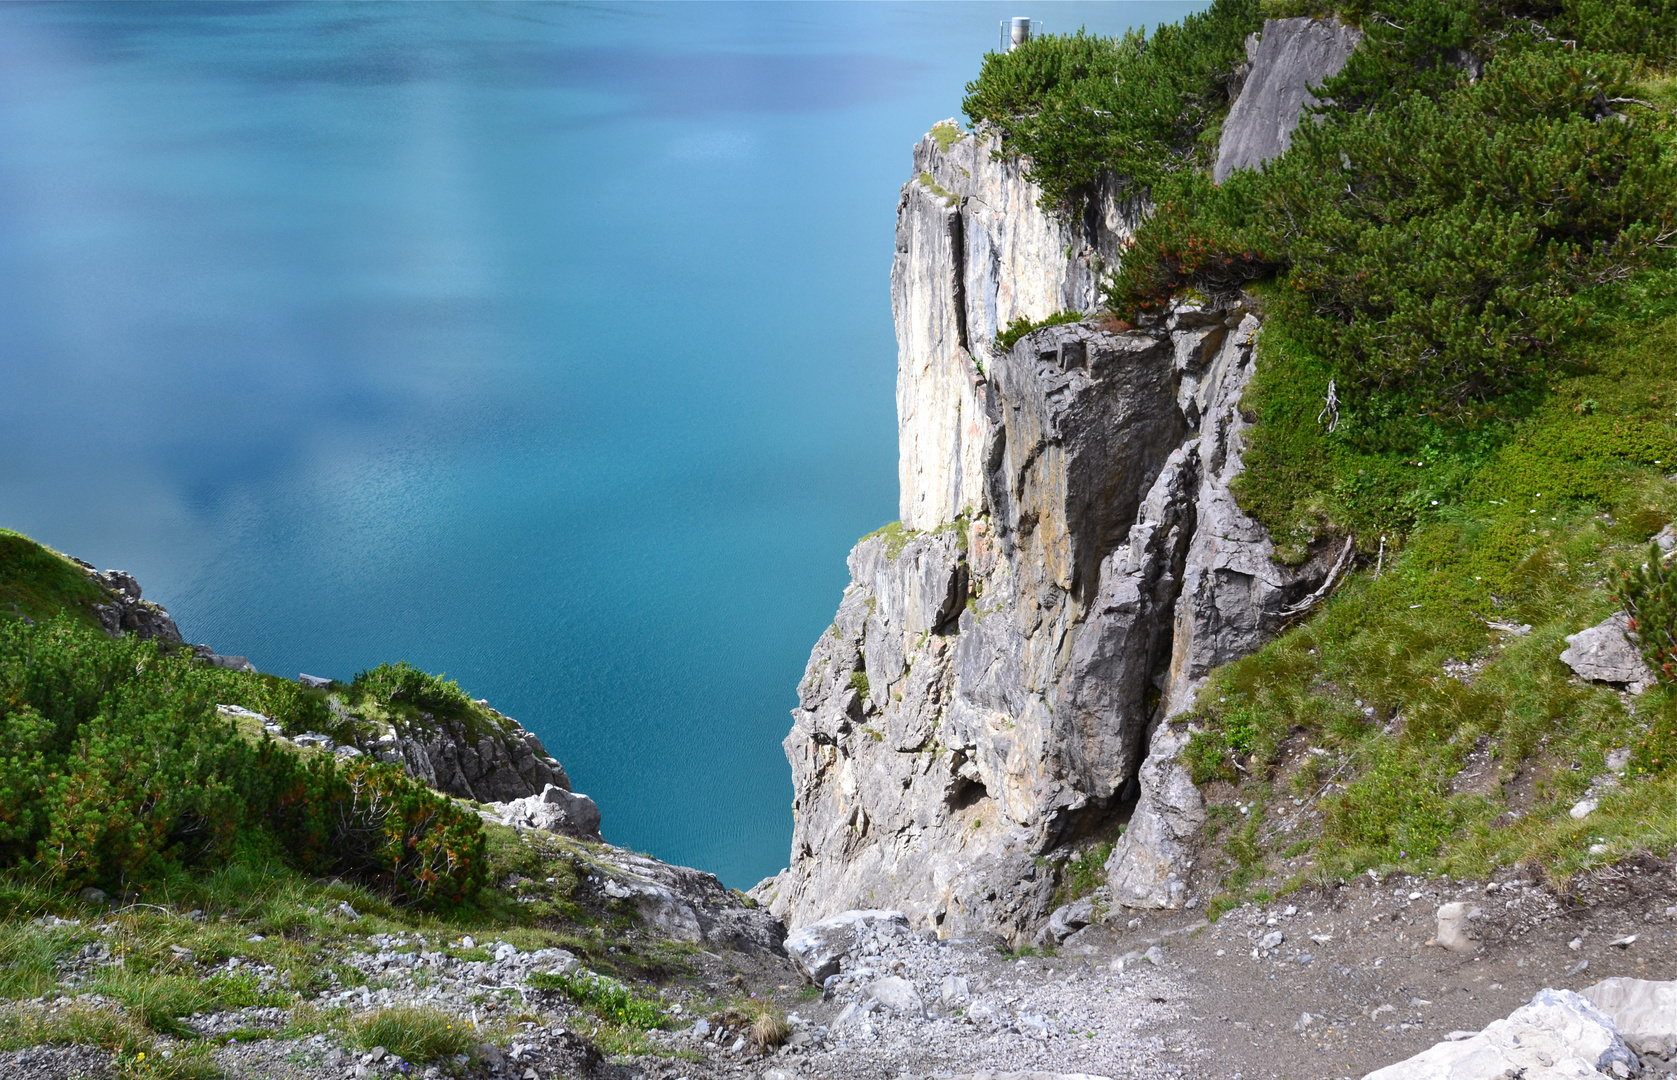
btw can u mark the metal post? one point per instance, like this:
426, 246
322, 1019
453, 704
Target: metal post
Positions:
1014, 33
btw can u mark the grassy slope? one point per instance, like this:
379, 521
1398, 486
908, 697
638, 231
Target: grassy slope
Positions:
37, 582
257, 909
1400, 683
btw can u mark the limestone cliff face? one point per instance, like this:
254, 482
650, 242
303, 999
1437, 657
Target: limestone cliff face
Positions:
974, 252
1004, 668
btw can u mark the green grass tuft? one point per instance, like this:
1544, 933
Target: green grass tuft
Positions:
415, 1034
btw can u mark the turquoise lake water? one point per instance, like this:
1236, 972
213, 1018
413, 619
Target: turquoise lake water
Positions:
549, 346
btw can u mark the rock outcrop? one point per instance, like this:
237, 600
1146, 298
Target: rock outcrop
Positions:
1605, 653
125, 612
974, 253
490, 764
987, 690
1290, 59
555, 810
1070, 565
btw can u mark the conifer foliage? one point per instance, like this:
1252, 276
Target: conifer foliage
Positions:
116, 770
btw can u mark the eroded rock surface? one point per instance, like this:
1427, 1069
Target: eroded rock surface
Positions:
1605, 653
1292, 58
975, 252
1071, 565
1561, 1034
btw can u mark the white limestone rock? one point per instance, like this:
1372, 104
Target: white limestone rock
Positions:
555, 810
1560, 1035
1605, 653
975, 252
819, 949
1455, 930
1644, 1012
1292, 59
897, 995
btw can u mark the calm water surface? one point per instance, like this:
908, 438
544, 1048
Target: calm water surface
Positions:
549, 346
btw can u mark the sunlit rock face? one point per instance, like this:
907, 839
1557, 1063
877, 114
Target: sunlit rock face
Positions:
975, 252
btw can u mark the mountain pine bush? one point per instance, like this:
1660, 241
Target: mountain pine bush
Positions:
116, 768
1136, 108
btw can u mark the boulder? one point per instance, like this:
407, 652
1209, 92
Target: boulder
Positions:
819, 949
1604, 653
897, 995
1292, 59
1067, 919
555, 810
1560, 1035
1453, 932
1644, 1011
954, 990
215, 659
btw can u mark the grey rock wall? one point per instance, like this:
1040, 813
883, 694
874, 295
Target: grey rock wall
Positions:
939, 764
1292, 58
973, 253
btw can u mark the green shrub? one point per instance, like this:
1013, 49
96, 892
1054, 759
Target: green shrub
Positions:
1136, 108
1437, 253
402, 685
1649, 595
115, 770
405, 838
1021, 326
294, 707
606, 998
1655, 753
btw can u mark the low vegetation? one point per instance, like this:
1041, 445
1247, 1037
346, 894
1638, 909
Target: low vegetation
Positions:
1021, 326
415, 1034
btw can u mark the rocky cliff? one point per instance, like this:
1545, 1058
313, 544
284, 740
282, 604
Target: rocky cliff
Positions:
1286, 63
1071, 563
974, 253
